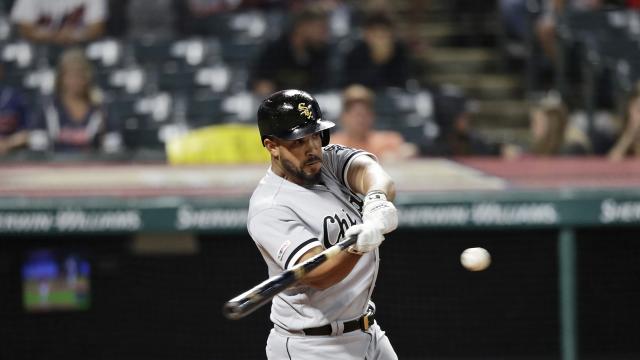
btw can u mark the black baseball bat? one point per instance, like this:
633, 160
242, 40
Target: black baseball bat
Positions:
250, 300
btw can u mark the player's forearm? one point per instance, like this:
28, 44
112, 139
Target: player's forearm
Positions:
331, 272
366, 175
16, 140
622, 146
32, 33
92, 32
378, 179
70, 35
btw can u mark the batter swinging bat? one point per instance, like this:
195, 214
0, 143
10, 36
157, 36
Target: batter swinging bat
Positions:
250, 300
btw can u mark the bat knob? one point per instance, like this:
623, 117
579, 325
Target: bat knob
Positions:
232, 310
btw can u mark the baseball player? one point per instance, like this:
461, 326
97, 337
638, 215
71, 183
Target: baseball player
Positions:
313, 195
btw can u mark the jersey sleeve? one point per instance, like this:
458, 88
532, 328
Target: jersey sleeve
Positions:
338, 158
282, 235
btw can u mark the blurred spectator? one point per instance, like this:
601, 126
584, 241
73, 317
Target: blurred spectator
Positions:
357, 128
516, 19
73, 119
456, 136
61, 22
13, 118
146, 18
551, 131
204, 17
339, 14
299, 59
628, 143
470, 17
545, 27
379, 59
204, 8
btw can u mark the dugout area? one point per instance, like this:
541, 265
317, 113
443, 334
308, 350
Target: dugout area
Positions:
168, 306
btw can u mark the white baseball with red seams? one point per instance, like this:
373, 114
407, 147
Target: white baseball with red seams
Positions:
475, 259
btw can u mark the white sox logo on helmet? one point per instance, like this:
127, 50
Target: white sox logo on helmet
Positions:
305, 110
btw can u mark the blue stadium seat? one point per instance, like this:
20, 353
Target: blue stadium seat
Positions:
200, 109
173, 80
239, 53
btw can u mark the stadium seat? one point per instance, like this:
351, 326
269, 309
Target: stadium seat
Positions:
121, 108
217, 78
150, 51
200, 109
128, 80
239, 53
391, 105
105, 54
41, 81
174, 80
135, 139
183, 53
18, 56
240, 106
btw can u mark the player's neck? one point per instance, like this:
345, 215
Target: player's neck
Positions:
278, 170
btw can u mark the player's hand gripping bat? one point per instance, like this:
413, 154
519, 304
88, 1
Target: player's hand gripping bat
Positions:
250, 300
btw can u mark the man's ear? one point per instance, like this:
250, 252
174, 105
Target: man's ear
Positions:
272, 147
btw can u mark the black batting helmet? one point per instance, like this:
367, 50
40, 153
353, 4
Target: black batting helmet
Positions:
291, 115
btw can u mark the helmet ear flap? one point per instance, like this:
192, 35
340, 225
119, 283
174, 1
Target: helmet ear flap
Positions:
325, 136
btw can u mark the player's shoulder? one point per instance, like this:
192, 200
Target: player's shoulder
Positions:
340, 154
265, 210
336, 148
337, 151
266, 199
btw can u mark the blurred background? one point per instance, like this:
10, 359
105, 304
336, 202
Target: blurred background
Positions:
129, 150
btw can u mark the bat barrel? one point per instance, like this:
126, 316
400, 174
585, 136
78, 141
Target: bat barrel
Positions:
247, 302
234, 310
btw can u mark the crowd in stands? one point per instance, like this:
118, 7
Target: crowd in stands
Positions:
582, 58
98, 76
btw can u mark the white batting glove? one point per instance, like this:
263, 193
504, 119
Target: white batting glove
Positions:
380, 212
369, 238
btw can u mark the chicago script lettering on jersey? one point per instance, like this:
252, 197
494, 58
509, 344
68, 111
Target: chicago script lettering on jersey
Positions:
335, 222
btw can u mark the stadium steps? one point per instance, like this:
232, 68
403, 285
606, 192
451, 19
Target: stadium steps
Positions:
454, 60
511, 135
501, 113
490, 87
455, 52
438, 31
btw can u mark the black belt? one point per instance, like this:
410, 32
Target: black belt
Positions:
363, 323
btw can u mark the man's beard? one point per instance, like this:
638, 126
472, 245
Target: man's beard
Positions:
298, 173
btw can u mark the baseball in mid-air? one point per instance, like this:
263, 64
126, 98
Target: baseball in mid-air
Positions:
475, 259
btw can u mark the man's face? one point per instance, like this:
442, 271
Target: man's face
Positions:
378, 36
316, 33
299, 160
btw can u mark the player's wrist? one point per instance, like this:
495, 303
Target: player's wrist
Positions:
379, 212
375, 195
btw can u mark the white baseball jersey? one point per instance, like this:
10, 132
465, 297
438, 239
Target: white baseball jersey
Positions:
286, 220
54, 14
